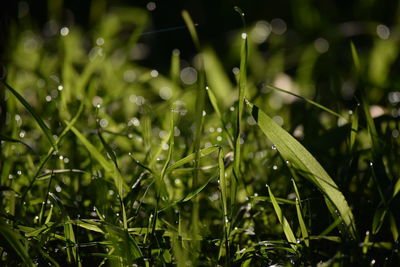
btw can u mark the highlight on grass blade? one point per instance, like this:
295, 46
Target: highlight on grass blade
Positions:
305, 164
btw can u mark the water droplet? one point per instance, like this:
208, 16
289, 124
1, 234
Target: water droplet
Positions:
103, 123
19, 172
165, 146
211, 130
130, 136
236, 70
10, 176
188, 75
219, 138
232, 108
100, 41
278, 26
151, 6
22, 134
64, 31
275, 167
58, 188
383, 32
244, 35
60, 87
154, 73
371, 163
373, 261
219, 130
273, 147
165, 93
48, 98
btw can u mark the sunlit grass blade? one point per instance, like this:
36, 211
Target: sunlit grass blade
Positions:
307, 100
13, 238
283, 221
108, 167
356, 58
189, 158
303, 226
217, 78
301, 160
192, 28
38, 119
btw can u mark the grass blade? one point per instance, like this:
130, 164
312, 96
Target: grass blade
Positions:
189, 158
13, 238
242, 90
192, 28
303, 227
108, 167
307, 100
302, 160
282, 219
39, 120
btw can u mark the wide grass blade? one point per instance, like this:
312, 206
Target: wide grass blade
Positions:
283, 221
303, 162
38, 119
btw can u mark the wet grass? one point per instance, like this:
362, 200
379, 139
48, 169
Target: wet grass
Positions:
107, 163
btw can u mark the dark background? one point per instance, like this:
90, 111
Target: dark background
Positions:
307, 19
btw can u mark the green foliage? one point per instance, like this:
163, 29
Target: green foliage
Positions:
132, 165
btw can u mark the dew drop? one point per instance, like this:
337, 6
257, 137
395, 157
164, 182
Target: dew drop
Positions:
273, 147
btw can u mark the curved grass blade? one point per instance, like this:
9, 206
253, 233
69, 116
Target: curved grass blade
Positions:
39, 120
9, 139
302, 160
307, 100
282, 219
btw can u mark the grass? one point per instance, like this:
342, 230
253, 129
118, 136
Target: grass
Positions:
105, 162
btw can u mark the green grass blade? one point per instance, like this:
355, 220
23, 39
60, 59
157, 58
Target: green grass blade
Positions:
13, 238
192, 28
356, 59
189, 158
217, 78
283, 221
214, 103
303, 226
354, 130
307, 100
242, 90
301, 160
96, 154
38, 119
